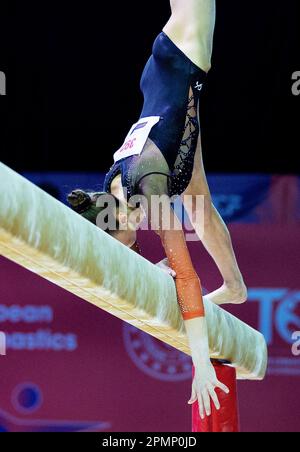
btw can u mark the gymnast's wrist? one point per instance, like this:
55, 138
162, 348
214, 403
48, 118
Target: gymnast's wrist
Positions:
200, 359
200, 353
198, 340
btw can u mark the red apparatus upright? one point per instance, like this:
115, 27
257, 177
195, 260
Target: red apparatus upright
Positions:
227, 419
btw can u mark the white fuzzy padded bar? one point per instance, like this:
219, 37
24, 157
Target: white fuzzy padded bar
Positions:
47, 238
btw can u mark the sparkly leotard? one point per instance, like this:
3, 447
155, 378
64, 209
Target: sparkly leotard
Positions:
171, 84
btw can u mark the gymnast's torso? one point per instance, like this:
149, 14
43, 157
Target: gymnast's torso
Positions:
171, 84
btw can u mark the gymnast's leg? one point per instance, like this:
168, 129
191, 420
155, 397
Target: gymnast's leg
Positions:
191, 28
216, 237
196, 41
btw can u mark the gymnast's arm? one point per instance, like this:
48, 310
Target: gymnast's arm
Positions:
189, 292
129, 238
187, 282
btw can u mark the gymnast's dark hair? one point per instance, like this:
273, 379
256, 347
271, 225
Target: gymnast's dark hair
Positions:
85, 204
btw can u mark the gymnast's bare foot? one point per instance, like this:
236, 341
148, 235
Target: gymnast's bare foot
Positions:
229, 294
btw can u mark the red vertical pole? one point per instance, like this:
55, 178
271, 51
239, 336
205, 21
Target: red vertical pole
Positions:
227, 419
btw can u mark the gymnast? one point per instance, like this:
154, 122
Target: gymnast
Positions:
162, 157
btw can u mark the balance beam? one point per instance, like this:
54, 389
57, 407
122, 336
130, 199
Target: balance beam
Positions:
46, 237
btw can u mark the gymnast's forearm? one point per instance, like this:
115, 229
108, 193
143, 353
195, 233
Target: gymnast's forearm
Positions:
196, 330
189, 294
188, 286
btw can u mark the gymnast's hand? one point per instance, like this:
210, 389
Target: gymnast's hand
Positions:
165, 267
205, 381
204, 388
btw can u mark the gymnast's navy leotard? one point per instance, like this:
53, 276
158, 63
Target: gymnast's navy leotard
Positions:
171, 84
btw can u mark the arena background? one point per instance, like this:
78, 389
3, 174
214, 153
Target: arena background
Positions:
72, 93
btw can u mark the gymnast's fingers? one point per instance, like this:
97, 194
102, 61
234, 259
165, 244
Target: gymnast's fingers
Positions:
193, 398
214, 397
221, 386
171, 272
206, 401
167, 269
201, 407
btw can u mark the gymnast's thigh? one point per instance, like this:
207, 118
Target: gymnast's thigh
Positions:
198, 184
